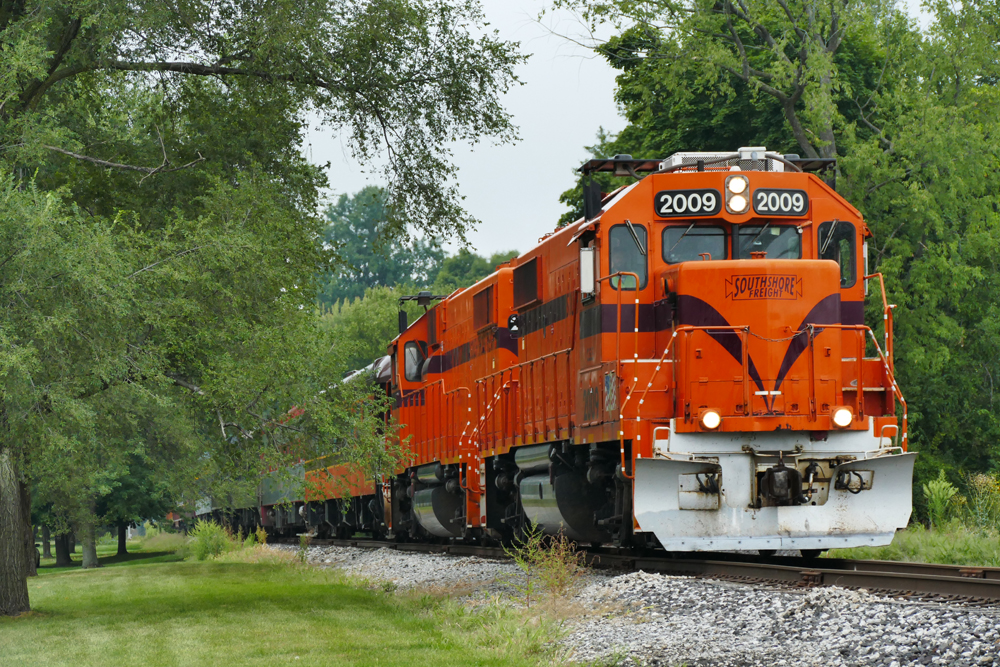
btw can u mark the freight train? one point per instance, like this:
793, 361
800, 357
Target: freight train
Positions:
686, 367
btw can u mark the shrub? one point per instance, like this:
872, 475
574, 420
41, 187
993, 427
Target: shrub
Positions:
938, 493
551, 564
983, 501
303, 550
210, 539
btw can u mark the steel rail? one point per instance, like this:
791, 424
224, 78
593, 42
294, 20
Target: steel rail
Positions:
971, 583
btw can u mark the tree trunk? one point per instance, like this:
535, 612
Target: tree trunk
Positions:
123, 539
46, 549
71, 542
62, 551
31, 555
13, 582
90, 541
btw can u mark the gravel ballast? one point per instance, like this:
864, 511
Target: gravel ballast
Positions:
653, 619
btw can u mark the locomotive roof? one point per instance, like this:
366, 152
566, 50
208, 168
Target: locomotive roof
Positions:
621, 165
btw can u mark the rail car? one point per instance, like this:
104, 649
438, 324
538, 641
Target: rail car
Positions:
687, 367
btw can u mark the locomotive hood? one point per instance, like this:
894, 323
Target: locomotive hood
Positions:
767, 310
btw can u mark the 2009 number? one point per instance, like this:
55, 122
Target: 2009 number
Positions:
687, 203
781, 202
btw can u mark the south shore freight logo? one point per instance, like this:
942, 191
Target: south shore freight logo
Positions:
740, 288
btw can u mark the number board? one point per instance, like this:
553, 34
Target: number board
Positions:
780, 202
687, 203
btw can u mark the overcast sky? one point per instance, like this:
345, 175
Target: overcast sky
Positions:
568, 93
514, 189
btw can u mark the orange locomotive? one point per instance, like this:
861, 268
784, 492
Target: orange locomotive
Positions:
687, 365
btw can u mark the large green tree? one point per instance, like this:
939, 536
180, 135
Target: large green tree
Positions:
910, 116
162, 237
363, 259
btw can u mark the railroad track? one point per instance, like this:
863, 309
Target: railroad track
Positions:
975, 585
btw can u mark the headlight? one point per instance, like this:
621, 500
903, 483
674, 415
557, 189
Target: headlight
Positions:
737, 189
737, 184
842, 417
710, 420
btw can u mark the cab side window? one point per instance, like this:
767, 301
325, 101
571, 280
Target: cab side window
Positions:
628, 253
837, 241
414, 354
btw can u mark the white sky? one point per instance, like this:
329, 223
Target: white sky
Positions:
568, 93
514, 189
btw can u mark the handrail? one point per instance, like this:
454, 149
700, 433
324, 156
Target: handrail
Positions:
621, 411
618, 320
618, 352
886, 364
659, 364
472, 436
886, 319
861, 328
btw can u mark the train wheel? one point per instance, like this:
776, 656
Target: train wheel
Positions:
811, 553
766, 553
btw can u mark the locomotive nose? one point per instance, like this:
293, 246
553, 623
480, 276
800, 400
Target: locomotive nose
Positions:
755, 320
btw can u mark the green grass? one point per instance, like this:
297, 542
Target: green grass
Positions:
107, 557
953, 544
244, 613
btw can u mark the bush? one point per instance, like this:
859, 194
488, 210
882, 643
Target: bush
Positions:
939, 493
210, 540
303, 551
551, 564
983, 501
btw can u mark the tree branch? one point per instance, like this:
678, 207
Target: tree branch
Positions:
212, 70
190, 386
149, 171
34, 92
167, 259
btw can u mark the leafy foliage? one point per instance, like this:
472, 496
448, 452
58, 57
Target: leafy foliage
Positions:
939, 493
363, 258
210, 540
910, 116
161, 232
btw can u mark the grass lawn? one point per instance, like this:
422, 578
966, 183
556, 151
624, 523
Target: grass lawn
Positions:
222, 614
953, 544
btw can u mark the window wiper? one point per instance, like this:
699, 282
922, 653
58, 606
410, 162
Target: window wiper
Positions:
829, 238
635, 237
762, 230
679, 239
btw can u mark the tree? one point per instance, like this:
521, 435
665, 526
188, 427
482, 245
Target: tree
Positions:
161, 249
910, 117
790, 51
362, 259
364, 327
143, 491
465, 268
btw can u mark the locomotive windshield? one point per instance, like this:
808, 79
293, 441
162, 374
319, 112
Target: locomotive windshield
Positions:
778, 241
687, 243
627, 255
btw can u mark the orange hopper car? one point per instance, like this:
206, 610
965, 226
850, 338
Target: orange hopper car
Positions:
687, 366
